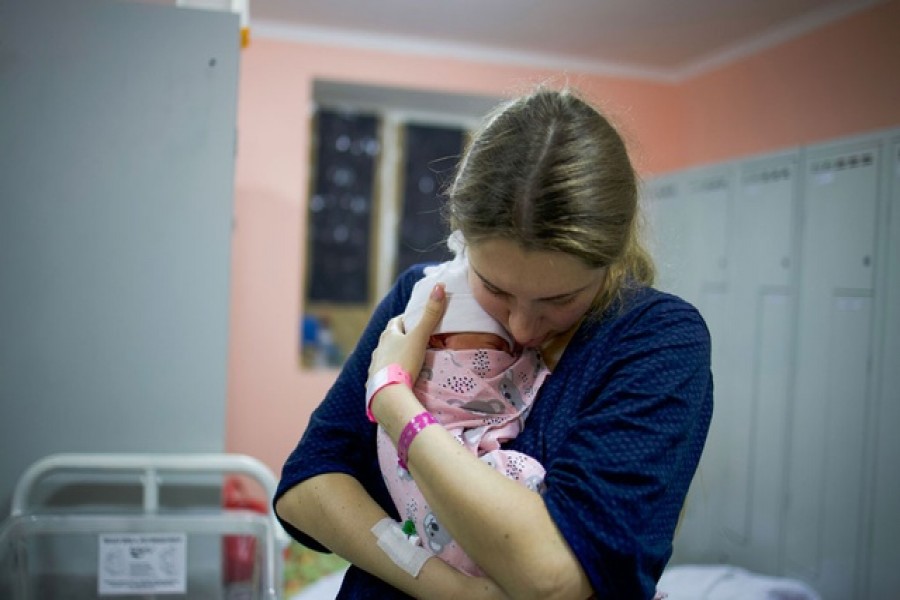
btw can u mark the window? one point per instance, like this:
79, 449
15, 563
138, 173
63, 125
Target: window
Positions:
430, 155
381, 159
340, 208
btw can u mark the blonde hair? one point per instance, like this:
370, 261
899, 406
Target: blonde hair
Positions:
550, 172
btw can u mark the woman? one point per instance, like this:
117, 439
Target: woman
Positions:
547, 201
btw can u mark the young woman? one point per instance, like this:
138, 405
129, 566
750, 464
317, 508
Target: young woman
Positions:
547, 201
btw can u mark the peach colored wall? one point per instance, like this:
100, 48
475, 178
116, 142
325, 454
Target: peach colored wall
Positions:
841, 80
790, 95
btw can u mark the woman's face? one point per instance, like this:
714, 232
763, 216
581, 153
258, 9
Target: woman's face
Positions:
536, 295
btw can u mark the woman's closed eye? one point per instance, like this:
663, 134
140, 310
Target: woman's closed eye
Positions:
561, 300
554, 301
495, 291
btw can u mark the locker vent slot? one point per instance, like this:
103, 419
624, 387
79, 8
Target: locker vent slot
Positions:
710, 185
843, 163
767, 176
670, 190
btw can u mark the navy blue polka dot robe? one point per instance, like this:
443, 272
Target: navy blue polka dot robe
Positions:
619, 425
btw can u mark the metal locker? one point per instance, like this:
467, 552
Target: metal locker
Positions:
822, 535
690, 220
667, 231
755, 384
883, 576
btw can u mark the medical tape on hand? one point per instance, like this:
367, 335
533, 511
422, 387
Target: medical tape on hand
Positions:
399, 548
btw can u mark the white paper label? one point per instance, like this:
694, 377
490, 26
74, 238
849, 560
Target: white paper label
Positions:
849, 303
152, 563
825, 178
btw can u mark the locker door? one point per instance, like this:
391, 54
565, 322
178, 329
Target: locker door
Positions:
690, 219
705, 221
884, 574
754, 411
689, 232
667, 231
709, 197
822, 540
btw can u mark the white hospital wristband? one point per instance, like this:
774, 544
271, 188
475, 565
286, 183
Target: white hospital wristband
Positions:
393, 373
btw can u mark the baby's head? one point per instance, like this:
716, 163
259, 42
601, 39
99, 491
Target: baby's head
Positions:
471, 327
469, 340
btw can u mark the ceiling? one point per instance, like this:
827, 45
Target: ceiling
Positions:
657, 39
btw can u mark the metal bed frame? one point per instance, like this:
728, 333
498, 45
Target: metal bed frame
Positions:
19, 575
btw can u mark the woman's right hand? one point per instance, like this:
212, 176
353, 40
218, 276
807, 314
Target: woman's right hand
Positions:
407, 348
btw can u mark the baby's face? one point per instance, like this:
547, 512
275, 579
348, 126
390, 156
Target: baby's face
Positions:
469, 341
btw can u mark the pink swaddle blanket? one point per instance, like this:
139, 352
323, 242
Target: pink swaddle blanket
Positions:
482, 397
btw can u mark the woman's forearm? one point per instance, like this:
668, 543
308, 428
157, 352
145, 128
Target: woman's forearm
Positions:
502, 525
335, 509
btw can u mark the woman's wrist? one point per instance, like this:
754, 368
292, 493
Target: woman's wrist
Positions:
390, 375
393, 407
409, 433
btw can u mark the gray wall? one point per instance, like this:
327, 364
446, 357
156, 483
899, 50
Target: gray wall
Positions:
117, 140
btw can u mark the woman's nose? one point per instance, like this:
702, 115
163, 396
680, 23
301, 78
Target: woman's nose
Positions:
523, 326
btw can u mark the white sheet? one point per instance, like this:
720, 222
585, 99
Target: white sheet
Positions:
726, 582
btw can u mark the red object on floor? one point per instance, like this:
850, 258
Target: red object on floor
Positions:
239, 551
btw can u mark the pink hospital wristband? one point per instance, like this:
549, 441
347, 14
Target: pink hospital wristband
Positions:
412, 429
393, 373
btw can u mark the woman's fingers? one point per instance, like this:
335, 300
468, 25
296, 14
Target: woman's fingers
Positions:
434, 310
397, 324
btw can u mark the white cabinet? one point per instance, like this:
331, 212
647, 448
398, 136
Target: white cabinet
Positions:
117, 122
794, 261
